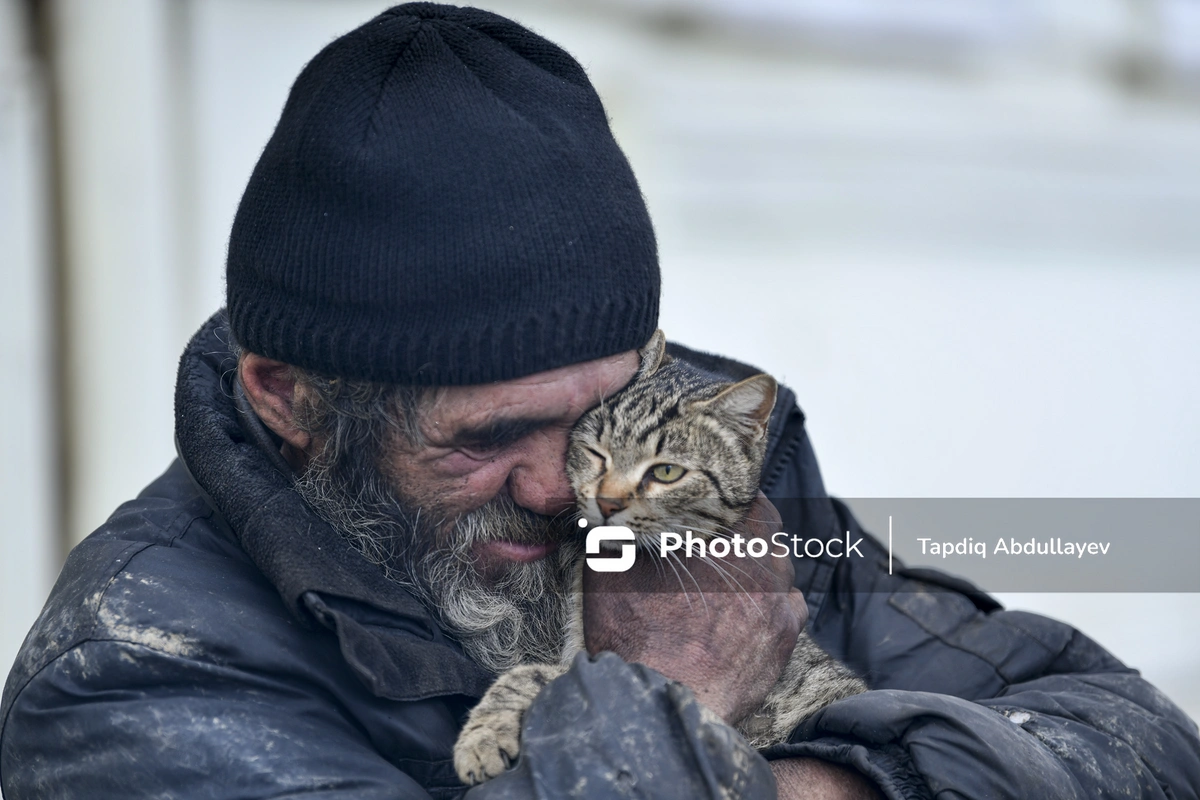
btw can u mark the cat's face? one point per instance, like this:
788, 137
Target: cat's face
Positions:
673, 451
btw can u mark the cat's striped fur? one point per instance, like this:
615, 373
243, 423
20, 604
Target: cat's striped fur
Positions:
675, 450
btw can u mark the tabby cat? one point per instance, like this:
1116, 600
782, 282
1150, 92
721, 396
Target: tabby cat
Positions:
675, 450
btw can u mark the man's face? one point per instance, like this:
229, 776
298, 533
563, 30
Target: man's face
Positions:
506, 440
473, 515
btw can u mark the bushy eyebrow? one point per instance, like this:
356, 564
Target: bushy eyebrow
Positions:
498, 433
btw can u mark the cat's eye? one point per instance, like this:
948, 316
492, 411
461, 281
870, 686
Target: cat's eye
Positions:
667, 473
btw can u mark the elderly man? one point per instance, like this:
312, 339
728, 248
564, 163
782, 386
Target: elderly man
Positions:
441, 261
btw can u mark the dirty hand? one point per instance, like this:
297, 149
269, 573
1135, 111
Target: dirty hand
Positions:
729, 647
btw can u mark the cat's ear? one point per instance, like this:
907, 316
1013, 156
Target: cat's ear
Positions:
748, 402
652, 354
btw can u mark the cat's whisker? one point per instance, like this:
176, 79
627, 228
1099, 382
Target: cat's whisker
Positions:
573, 515
688, 572
658, 567
718, 569
730, 581
673, 559
679, 578
724, 575
734, 566
771, 522
722, 566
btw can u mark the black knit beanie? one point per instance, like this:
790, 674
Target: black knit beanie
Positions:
442, 203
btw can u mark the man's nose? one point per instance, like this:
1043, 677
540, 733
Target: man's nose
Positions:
609, 507
538, 481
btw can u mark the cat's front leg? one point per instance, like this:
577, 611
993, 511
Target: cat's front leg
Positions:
491, 740
811, 680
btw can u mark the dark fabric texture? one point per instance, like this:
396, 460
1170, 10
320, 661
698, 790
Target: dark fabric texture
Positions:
442, 203
213, 640
671, 752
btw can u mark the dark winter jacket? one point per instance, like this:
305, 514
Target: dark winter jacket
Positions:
214, 639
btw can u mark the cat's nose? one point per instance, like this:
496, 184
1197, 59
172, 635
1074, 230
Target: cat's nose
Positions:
609, 507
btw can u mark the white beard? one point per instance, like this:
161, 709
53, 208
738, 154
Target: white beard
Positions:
518, 618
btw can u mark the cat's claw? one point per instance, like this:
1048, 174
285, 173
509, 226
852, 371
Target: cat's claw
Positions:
481, 754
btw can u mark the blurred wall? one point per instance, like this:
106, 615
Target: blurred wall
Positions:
30, 549
964, 233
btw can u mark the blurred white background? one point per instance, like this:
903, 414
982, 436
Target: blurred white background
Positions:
966, 232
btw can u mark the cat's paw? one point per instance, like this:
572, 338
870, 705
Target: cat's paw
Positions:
483, 752
490, 742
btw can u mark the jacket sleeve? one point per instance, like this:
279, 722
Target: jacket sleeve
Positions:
110, 719
970, 700
611, 729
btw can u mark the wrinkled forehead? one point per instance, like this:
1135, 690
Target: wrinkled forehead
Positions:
560, 395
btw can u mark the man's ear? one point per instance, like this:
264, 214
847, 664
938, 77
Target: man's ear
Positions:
271, 390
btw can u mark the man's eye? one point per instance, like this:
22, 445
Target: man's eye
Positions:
667, 473
478, 453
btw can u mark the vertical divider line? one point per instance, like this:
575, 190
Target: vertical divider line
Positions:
889, 544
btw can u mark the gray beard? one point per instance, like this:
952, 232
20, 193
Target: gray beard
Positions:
519, 617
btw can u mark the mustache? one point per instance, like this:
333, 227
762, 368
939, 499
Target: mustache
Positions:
456, 542
502, 520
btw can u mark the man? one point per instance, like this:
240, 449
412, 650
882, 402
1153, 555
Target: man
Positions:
441, 261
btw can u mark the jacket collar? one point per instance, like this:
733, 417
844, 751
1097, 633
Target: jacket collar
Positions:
386, 634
